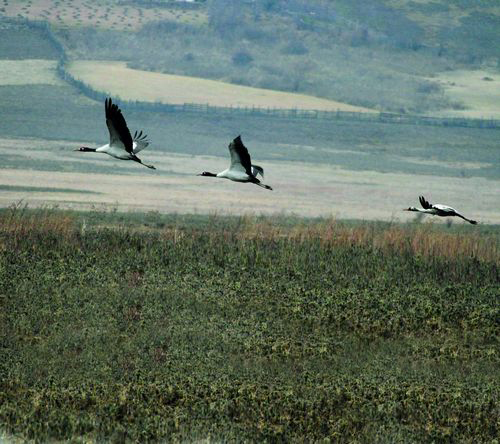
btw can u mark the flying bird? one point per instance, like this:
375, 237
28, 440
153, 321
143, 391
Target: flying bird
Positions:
241, 168
121, 144
438, 210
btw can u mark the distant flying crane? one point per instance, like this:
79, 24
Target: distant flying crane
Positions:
121, 144
241, 168
438, 210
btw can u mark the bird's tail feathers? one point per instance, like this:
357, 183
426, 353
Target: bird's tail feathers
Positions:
140, 141
256, 169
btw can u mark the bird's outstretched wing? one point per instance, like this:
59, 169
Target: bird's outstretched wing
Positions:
140, 142
119, 133
240, 158
256, 169
425, 204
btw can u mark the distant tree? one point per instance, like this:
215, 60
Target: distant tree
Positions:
242, 58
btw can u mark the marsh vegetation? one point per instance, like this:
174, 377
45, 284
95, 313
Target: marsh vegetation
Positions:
118, 326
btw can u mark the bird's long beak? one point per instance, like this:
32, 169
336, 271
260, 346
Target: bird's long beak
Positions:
76, 149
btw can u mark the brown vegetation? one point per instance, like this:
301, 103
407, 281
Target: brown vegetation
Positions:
117, 79
19, 223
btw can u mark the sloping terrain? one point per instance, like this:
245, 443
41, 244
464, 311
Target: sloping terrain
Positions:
382, 54
105, 14
477, 90
132, 84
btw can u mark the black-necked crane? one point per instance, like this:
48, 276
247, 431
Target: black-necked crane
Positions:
241, 168
121, 144
438, 210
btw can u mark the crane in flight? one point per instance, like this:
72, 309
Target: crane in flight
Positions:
121, 144
241, 168
438, 210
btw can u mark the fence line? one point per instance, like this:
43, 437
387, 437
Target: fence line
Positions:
409, 119
278, 112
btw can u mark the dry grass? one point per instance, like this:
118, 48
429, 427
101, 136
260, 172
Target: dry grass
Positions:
477, 90
420, 240
118, 80
300, 188
105, 14
28, 72
19, 223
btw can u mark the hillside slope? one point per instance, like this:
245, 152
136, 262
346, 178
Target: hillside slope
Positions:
133, 84
381, 55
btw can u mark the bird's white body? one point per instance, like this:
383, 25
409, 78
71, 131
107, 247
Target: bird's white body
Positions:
114, 151
444, 208
118, 151
234, 174
437, 210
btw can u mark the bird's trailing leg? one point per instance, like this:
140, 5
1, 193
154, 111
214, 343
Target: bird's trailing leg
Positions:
473, 222
140, 161
267, 187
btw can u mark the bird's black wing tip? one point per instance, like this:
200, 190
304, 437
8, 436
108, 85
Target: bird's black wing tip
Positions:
425, 203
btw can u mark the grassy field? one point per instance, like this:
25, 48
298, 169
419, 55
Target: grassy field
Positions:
29, 72
433, 16
477, 90
60, 113
176, 328
133, 84
34, 189
19, 42
106, 14
300, 187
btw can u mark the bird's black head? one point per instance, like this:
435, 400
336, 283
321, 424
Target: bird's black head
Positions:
410, 209
206, 173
